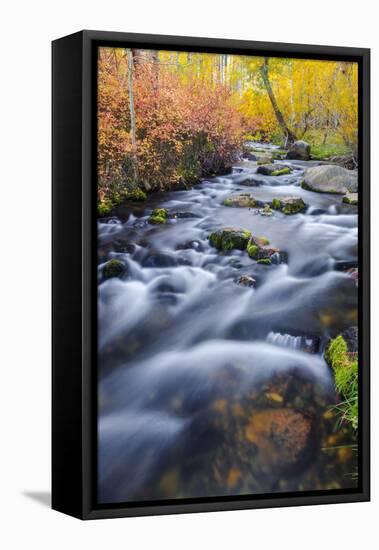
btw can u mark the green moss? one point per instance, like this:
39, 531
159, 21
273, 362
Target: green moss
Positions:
348, 200
158, 216
305, 186
136, 195
289, 205
113, 268
345, 369
281, 172
229, 239
264, 261
104, 207
228, 202
253, 251
215, 239
235, 240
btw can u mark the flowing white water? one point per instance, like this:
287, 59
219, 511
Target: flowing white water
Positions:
177, 334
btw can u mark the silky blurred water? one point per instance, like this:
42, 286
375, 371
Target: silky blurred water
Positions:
177, 335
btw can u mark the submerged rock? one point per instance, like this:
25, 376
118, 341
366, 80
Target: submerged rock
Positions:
282, 436
266, 210
274, 169
114, 268
351, 198
184, 215
300, 150
158, 216
246, 280
243, 200
251, 181
330, 179
230, 238
289, 205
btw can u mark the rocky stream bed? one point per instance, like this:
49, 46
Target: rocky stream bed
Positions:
215, 305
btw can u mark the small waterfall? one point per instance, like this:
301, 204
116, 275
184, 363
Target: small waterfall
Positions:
285, 340
276, 258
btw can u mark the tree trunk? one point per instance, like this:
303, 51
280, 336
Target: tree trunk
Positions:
155, 67
289, 135
132, 114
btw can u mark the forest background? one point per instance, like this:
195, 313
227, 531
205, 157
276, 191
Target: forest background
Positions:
168, 119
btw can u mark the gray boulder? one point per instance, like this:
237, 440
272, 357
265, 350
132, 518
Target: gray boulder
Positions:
329, 178
300, 150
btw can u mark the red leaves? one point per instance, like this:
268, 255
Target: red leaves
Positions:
185, 128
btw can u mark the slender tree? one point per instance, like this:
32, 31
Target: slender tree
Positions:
289, 135
132, 113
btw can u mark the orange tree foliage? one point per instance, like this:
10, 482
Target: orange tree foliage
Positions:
185, 129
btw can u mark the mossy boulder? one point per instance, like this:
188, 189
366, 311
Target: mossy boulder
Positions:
258, 249
243, 200
283, 172
289, 205
158, 216
230, 238
351, 198
114, 268
274, 169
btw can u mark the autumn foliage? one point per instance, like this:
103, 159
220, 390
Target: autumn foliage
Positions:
193, 111
184, 130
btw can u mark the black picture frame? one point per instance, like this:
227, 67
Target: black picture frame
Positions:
74, 294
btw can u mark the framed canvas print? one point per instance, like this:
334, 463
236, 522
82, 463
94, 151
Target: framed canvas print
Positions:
210, 274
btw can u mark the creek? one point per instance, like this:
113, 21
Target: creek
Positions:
208, 387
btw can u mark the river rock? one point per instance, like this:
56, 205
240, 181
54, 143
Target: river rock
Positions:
351, 198
329, 178
274, 169
300, 150
230, 238
246, 280
243, 200
289, 205
249, 156
265, 159
259, 250
281, 435
114, 268
350, 335
266, 210
250, 181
